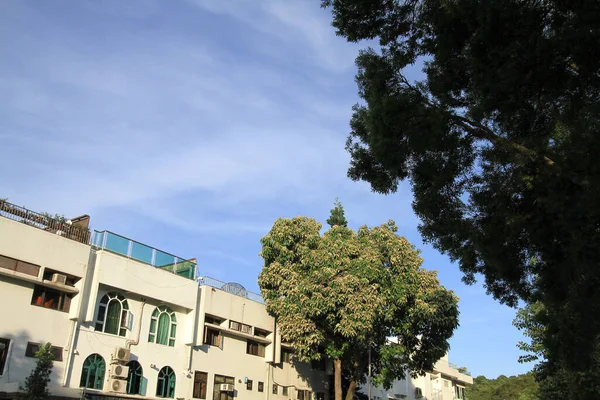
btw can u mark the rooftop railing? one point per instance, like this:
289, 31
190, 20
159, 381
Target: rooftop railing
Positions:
106, 240
230, 287
462, 370
46, 222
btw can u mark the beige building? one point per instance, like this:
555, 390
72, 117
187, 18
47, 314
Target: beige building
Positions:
127, 320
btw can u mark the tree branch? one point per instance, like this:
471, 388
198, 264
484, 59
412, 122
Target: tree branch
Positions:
481, 131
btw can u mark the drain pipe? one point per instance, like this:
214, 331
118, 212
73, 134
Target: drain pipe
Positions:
86, 286
136, 341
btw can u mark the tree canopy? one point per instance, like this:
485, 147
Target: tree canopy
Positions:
337, 215
345, 291
499, 141
519, 387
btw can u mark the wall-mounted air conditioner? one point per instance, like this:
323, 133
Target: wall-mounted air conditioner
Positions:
59, 278
118, 386
121, 354
119, 371
226, 387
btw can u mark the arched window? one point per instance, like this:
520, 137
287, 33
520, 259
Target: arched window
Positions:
163, 326
134, 377
112, 314
166, 383
92, 374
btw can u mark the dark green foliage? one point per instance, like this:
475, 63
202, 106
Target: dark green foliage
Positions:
337, 215
556, 380
520, 387
499, 141
36, 384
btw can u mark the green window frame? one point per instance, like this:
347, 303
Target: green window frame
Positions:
92, 373
134, 377
163, 326
165, 386
113, 313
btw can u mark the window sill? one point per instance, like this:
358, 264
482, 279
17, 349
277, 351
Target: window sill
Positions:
51, 309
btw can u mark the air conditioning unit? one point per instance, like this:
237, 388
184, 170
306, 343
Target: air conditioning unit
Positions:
59, 278
118, 386
121, 354
226, 387
246, 328
119, 371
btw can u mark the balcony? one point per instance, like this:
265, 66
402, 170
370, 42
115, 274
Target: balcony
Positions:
105, 240
75, 229
230, 287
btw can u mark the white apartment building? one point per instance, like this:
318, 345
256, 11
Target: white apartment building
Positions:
128, 321
445, 382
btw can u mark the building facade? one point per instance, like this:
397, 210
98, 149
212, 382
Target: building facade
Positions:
130, 321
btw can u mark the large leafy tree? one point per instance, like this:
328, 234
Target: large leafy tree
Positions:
345, 291
499, 141
36, 384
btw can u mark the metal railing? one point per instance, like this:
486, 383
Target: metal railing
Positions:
230, 287
46, 222
106, 240
462, 370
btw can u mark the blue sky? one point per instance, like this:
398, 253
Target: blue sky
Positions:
192, 125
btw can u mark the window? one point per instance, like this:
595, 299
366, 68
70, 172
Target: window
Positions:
209, 319
4, 345
33, 348
163, 326
275, 389
51, 298
92, 375
261, 386
460, 392
249, 384
200, 383
237, 326
418, 393
446, 383
284, 390
286, 356
319, 364
255, 348
134, 377
212, 337
19, 266
304, 395
261, 333
112, 314
165, 387
219, 380
49, 273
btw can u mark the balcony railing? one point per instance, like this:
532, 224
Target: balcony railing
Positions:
54, 224
121, 245
230, 287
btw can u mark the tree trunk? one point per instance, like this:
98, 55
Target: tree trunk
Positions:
351, 389
337, 368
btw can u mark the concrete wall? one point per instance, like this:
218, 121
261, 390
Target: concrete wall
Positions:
23, 242
146, 353
23, 322
231, 358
